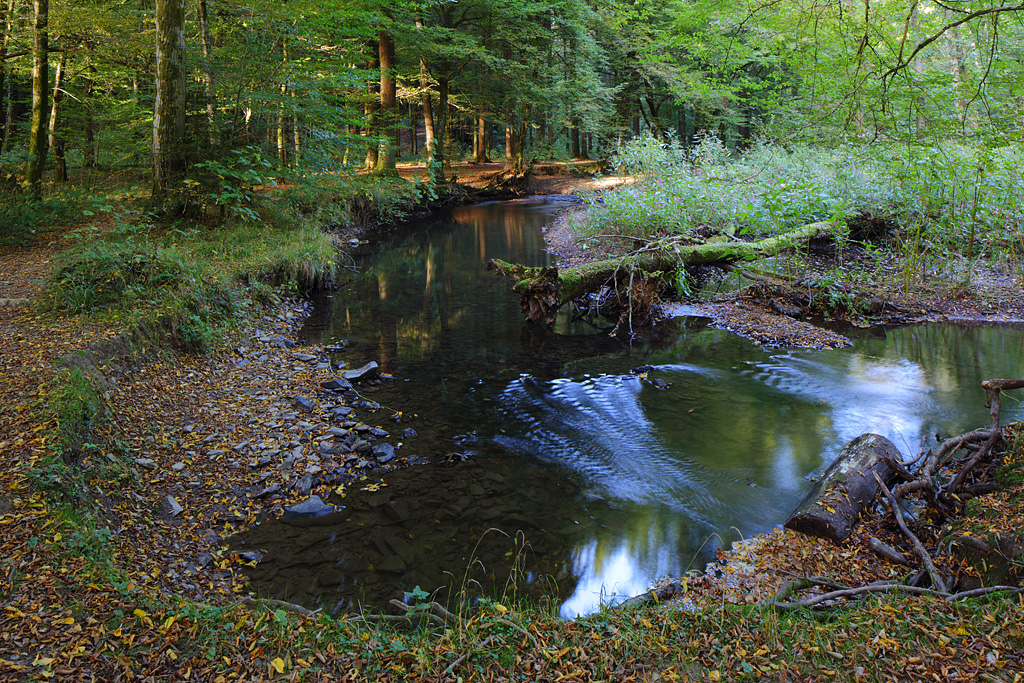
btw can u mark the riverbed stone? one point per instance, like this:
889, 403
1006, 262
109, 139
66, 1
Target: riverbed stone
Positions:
337, 385
303, 485
173, 506
384, 452
304, 357
367, 372
313, 506
304, 403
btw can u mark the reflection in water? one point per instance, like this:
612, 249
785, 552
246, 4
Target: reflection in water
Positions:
610, 482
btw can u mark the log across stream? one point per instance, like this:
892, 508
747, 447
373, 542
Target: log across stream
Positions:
548, 435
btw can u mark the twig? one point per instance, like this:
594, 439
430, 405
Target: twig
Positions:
887, 551
479, 646
919, 548
280, 604
963, 595
859, 590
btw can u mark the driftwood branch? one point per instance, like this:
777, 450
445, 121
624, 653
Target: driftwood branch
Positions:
919, 549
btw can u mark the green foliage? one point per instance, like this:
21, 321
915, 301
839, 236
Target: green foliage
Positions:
229, 183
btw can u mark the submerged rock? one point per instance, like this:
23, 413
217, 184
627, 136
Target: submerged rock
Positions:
313, 506
337, 385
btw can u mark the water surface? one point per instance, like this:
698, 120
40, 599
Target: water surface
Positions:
557, 470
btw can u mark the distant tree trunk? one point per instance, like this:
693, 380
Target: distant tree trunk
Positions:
40, 96
208, 83
515, 135
388, 105
584, 145
441, 123
7, 95
413, 142
370, 110
428, 117
89, 149
282, 150
60, 171
574, 139
296, 131
482, 142
169, 107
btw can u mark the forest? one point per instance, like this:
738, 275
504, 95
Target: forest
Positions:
831, 191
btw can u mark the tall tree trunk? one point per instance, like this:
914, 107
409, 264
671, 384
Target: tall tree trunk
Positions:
6, 12
208, 83
89, 149
9, 85
370, 109
40, 97
169, 107
60, 171
282, 150
296, 131
413, 142
428, 116
440, 164
574, 139
482, 142
388, 105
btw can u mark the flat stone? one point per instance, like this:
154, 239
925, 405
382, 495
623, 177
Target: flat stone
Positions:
178, 466
303, 485
173, 506
269, 491
311, 507
304, 357
338, 432
378, 432
408, 433
384, 452
304, 403
368, 371
147, 463
337, 385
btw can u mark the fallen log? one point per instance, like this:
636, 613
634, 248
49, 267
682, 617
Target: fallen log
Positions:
833, 506
543, 290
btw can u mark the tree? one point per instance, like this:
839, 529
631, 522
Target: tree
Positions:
40, 97
169, 106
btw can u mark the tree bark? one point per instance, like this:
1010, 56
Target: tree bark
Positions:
6, 11
40, 98
388, 105
89, 148
832, 507
60, 171
428, 115
169, 108
370, 109
543, 290
208, 79
282, 149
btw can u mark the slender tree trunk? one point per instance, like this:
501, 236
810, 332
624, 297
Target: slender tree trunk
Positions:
413, 142
60, 171
574, 139
370, 110
296, 131
428, 116
40, 97
6, 11
208, 82
10, 86
89, 149
482, 143
388, 105
169, 108
440, 165
282, 150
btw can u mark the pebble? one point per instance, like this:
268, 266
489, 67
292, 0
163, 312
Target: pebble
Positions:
178, 466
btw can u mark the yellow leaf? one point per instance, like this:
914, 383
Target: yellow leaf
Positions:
278, 664
500, 609
65, 622
140, 614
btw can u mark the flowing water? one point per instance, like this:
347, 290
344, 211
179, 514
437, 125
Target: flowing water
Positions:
556, 470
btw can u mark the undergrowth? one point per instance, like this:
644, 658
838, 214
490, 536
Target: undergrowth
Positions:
940, 209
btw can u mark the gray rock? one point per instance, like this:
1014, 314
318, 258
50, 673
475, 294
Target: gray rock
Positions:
311, 507
304, 357
147, 463
378, 432
408, 433
269, 491
337, 385
338, 432
173, 507
205, 560
341, 411
178, 466
384, 452
368, 371
303, 485
304, 403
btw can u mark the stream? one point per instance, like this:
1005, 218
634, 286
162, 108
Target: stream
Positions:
555, 471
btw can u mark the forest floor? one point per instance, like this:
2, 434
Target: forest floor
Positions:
101, 578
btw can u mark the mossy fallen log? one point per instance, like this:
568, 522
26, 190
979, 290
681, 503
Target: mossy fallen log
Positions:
543, 290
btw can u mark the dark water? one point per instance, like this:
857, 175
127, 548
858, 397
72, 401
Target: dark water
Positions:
576, 479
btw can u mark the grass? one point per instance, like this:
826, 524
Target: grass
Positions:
941, 210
